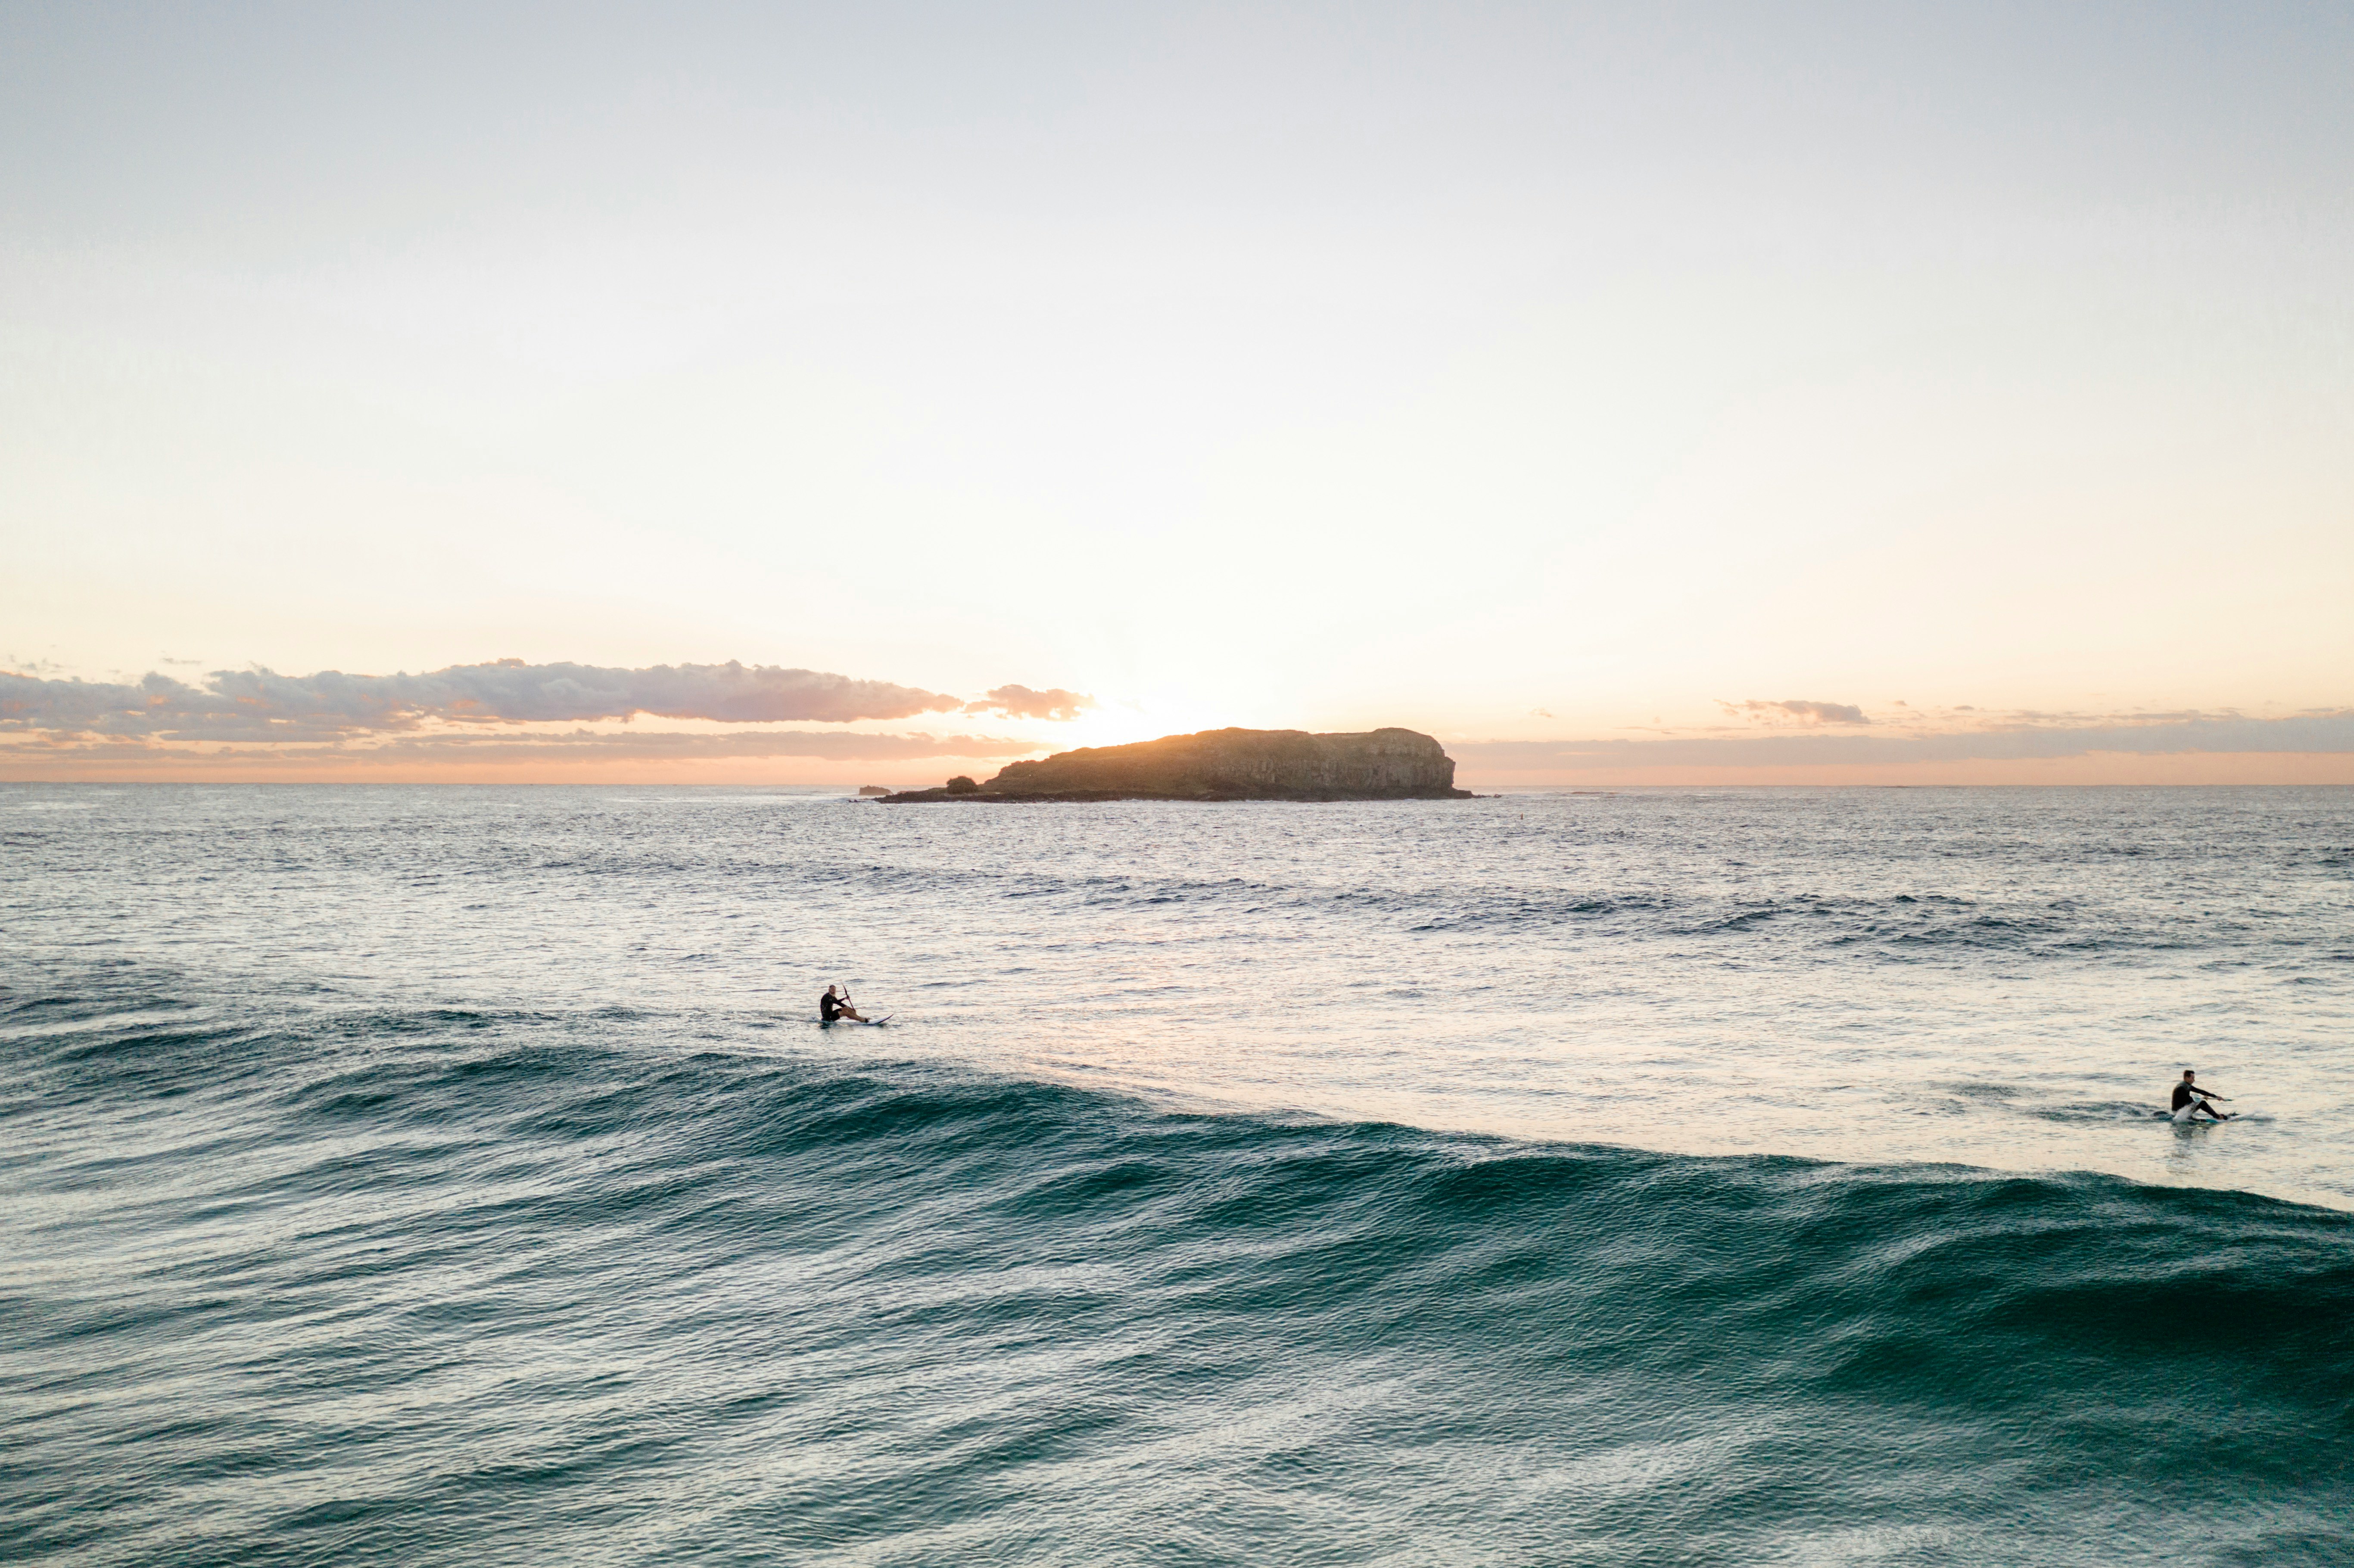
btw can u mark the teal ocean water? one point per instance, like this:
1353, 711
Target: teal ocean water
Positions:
460, 1176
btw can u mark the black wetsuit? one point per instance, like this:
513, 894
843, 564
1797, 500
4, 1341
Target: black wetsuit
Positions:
2183, 1094
828, 1009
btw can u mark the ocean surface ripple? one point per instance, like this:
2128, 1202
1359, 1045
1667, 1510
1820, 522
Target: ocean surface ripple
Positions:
393, 1177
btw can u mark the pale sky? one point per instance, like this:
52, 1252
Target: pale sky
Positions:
1538, 376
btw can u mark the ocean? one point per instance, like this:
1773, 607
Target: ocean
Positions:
459, 1175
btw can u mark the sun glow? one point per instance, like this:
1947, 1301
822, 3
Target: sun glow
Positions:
1124, 722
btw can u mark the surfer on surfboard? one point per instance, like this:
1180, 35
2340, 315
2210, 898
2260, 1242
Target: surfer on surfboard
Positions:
835, 1003
2189, 1099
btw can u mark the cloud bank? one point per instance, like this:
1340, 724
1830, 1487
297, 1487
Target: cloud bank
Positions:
2169, 734
577, 746
262, 705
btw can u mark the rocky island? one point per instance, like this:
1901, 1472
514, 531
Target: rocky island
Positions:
1226, 765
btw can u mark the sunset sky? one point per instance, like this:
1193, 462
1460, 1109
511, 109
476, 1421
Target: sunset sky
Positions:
867, 393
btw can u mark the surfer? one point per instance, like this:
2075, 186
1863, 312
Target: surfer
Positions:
831, 1006
2188, 1093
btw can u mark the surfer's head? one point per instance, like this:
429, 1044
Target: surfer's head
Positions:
2187, 1075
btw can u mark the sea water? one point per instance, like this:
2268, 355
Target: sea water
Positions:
460, 1176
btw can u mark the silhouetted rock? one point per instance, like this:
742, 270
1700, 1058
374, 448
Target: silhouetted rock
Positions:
873, 789
964, 785
1228, 765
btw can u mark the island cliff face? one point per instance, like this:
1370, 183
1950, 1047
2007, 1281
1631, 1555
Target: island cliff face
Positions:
1232, 765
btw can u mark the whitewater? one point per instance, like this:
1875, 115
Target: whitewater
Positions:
416, 1175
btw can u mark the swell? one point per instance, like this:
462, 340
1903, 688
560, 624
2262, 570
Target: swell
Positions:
1897, 927
427, 1287
1576, 878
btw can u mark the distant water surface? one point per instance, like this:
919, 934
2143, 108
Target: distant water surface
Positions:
413, 1175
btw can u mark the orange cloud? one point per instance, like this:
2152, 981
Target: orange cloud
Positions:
2305, 748
760, 756
1021, 701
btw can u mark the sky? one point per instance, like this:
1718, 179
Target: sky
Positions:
846, 394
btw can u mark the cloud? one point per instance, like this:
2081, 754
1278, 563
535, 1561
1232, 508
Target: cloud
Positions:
261, 704
1803, 711
1021, 701
2018, 740
833, 745
579, 746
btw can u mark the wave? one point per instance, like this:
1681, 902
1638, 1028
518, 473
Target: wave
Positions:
443, 1285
